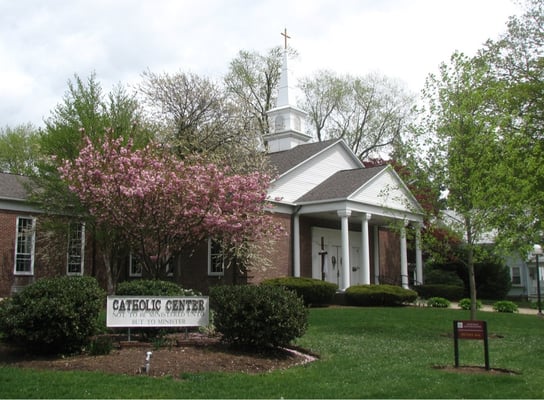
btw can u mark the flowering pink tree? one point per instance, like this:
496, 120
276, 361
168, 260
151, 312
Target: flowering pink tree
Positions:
161, 205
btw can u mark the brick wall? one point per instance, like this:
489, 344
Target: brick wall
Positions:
8, 223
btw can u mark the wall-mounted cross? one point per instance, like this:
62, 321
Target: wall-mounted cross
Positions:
284, 34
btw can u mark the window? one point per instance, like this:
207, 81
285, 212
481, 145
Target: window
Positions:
135, 267
515, 273
24, 246
216, 265
76, 248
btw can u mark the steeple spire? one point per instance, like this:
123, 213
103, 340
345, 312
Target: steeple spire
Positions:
286, 121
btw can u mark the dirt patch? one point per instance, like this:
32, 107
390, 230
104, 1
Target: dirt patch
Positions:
177, 357
471, 369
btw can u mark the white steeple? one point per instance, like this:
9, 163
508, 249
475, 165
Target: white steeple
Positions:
286, 120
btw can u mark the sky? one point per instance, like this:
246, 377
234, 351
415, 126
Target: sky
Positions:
44, 43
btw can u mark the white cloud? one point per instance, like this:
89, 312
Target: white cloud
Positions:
43, 44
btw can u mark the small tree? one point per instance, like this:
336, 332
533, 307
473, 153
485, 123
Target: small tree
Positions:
161, 205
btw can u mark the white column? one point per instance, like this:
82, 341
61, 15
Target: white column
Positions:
365, 250
403, 258
344, 281
296, 246
376, 253
419, 256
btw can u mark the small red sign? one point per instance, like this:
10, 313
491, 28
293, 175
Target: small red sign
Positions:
470, 330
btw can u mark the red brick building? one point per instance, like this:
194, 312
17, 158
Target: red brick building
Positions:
345, 223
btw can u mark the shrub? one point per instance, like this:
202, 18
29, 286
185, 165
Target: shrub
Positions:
379, 295
438, 302
100, 345
466, 303
54, 315
314, 291
258, 316
436, 276
450, 292
505, 306
145, 287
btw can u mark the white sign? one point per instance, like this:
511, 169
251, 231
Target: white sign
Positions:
151, 311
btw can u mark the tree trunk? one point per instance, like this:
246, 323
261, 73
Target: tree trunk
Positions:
471, 275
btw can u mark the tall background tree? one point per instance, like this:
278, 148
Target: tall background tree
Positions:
462, 148
19, 149
85, 112
516, 66
371, 113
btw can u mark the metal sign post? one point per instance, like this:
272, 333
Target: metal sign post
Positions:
472, 330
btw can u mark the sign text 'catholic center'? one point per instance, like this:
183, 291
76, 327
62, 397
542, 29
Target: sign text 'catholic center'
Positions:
147, 311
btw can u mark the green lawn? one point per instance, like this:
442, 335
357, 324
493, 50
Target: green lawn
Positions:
365, 353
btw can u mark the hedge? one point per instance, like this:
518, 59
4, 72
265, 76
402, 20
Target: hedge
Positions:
450, 292
379, 295
315, 292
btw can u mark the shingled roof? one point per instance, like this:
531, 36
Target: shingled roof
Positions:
341, 184
14, 187
283, 161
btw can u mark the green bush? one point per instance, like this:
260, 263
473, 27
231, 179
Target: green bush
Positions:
450, 292
379, 295
258, 316
466, 303
100, 345
54, 315
314, 291
438, 302
145, 287
505, 306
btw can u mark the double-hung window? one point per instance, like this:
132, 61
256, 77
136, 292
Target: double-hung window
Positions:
76, 249
135, 266
516, 275
216, 260
24, 246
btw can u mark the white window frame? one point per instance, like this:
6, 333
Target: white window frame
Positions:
133, 270
512, 276
20, 239
75, 253
211, 261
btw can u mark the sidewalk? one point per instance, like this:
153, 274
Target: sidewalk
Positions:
486, 307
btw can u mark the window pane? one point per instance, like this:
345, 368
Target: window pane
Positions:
25, 245
135, 266
516, 276
216, 263
76, 248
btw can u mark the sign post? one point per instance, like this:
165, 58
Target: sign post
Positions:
471, 330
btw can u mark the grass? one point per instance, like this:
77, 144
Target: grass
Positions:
365, 353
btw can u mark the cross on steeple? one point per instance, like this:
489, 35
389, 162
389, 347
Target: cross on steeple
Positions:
284, 34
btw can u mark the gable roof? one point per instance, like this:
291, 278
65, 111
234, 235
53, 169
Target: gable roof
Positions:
341, 185
285, 160
14, 187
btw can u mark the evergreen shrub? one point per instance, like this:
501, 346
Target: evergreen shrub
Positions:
438, 302
148, 287
258, 316
53, 315
379, 295
315, 292
505, 306
450, 292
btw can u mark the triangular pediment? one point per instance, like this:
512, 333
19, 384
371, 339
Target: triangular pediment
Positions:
386, 190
